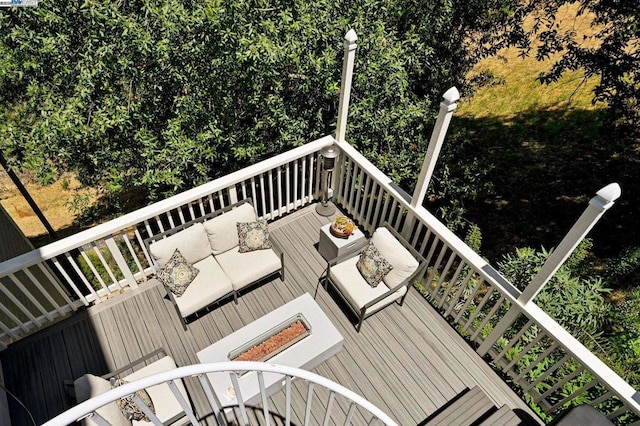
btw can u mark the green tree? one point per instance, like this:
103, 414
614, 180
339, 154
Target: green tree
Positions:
159, 96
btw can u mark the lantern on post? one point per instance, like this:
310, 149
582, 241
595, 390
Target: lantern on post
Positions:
329, 155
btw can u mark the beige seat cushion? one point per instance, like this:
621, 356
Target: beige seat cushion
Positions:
222, 230
209, 285
355, 288
164, 401
245, 268
192, 243
89, 386
403, 262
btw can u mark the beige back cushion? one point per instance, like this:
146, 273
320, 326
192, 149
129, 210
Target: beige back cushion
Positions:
192, 243
89, 386
222, 230
403, 262
164, 401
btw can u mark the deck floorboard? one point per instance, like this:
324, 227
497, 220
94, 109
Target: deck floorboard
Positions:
407, 360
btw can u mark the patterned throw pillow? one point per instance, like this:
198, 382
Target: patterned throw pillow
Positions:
372, 266
177, 274
128, 406
253, 236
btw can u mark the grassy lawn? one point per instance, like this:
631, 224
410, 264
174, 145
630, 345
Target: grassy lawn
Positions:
515, 89
547, 154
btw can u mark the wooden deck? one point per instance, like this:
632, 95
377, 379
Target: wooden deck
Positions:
407, 360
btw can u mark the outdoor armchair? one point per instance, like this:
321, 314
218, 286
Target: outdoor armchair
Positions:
343, 275
167, 407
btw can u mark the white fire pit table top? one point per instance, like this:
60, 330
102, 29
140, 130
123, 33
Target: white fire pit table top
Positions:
323, 342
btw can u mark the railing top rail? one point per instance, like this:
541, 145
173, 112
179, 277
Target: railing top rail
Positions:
89, 406
106, 229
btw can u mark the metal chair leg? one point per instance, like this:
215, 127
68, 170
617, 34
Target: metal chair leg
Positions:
317, 285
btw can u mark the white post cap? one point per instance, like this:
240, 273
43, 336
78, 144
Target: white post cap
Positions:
351, 36
606, 196
452, 95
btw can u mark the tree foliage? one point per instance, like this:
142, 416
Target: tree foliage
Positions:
576, 301
624, 333
160, 96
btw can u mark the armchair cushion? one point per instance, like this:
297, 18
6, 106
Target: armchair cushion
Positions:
372, 266
166, 404
403, 262
253, 236
89, 386
236, 265
222, 230
177, 274
192, 243
208, 286
357, 290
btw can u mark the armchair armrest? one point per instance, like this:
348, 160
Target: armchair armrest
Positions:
280, 252
345, 256
404, 283
158, 352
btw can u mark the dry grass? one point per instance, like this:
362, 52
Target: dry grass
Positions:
51, 199
519, 90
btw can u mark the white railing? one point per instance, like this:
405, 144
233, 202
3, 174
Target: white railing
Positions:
341, 406
548, 364
49, 282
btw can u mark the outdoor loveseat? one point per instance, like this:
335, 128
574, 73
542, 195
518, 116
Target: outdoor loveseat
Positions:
212, 245
366, 298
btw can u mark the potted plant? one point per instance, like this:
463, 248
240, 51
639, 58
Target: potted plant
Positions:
342, 227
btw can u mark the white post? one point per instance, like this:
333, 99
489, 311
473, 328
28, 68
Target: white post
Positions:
345, 85
603, 200
447, 106
599, 204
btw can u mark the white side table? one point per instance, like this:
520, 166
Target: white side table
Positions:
331, 247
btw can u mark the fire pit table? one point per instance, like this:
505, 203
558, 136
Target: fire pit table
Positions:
297, 334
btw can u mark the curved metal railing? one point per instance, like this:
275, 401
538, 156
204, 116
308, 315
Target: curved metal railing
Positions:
341, 403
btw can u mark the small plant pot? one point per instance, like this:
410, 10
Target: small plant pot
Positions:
342, 227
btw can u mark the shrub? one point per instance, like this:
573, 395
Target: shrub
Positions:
619, 270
